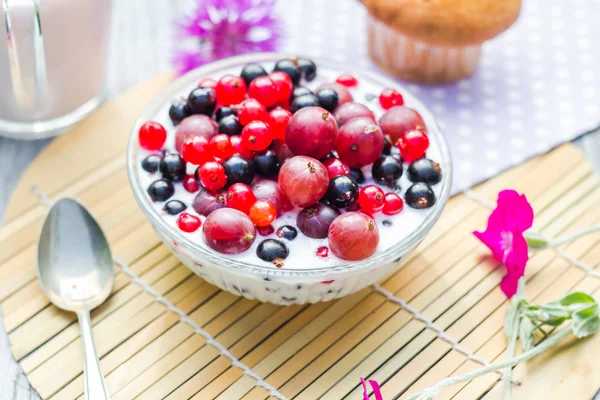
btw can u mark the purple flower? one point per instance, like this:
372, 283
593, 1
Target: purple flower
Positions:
504, 237
223, 28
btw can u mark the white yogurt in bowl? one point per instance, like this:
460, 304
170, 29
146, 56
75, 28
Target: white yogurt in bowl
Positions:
305, 275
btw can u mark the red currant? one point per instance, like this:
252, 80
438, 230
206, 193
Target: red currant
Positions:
208, 83
390, 98
347, 80
257, 136
282, 104
251, 110
188, 223
413, 145
262, 213
336, 167
323, 252
371, 199
284, 85
236, 142
221, 147
152, 136
212, 176
263, 89
240, 197
190, 184
278, 121
196, 150
231, 90
393, 204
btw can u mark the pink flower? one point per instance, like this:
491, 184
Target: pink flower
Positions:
374, 385
504, 236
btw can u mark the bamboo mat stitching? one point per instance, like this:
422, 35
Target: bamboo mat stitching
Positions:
197, 329
45, 200
430, 324
183, 317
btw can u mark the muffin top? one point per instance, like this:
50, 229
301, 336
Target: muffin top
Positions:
446, 22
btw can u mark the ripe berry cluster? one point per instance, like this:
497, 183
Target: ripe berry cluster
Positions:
261, 145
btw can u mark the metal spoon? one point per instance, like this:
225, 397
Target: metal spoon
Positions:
75, 269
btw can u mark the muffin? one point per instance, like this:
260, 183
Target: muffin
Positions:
434, 41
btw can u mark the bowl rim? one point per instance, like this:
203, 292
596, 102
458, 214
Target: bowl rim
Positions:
399, 249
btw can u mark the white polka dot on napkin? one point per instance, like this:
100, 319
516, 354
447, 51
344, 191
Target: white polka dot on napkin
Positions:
537, 86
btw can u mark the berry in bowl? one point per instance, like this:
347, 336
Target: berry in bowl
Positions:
286, 179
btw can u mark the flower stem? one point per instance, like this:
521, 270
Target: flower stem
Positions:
566, 239
507, 372
512, 343
545, 345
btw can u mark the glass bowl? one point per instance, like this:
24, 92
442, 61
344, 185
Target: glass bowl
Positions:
268, 283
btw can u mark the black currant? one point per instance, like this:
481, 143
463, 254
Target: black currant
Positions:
174, 207
223, 112
425, 170
357, 175
271, 249
309, 68
287, 232
419, 195
172, 167
238, 169
161, 190
151, 163
306, 100
202, 100
342, 191
266, 164
291, 68
178, 111
387, 147
251, 71
299, 91
328, 99
230, 125
386, 169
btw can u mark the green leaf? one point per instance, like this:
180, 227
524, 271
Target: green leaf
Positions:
526, 333
577, 298
585, 321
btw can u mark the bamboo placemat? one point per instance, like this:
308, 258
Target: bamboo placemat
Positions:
306, 352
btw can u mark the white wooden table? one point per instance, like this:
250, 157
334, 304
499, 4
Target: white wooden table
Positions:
140, 49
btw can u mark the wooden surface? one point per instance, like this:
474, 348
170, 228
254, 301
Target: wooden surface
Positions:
306, 352
143, 39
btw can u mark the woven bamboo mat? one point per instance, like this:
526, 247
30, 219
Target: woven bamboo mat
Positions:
306, 352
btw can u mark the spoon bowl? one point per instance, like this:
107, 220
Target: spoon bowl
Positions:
75, 270
74, 261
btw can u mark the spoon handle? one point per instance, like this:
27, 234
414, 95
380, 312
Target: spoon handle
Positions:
95, 389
